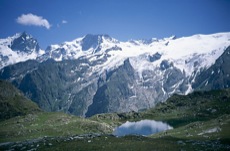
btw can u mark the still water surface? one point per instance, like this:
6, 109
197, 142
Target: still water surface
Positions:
143, 127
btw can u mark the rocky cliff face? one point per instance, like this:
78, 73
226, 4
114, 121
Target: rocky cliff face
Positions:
217, 76
25, 43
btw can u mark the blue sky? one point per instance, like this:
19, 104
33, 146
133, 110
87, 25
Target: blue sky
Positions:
56, 21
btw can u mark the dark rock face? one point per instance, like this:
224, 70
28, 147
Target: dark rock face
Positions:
90, 41
113, 91
154, 57
165, 64
93, 41
217, 76
174, 75
25, 43
53, 86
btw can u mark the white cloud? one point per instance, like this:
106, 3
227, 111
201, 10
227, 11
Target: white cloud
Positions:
31, 19
64, 22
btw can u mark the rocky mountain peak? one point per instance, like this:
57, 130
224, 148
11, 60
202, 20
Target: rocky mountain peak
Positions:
25, 43
93, 41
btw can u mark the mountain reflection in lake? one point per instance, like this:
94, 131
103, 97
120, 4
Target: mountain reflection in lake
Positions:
143, 127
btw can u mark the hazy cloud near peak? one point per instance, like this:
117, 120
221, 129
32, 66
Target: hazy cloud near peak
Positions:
33, 20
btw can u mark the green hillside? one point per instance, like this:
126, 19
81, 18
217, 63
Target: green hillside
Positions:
198, 106
13, 102
49, 124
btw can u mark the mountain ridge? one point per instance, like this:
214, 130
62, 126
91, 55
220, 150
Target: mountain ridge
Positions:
72, 49
66, 78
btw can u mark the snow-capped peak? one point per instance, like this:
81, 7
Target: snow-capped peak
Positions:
83, 46
18, 48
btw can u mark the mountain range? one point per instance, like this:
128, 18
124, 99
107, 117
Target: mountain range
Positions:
99, 74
